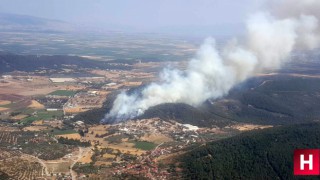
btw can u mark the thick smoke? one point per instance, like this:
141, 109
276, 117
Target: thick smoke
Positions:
211, 74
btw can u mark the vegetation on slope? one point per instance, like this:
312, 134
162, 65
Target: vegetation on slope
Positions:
184, 113
276, 100
267, 101
264, 154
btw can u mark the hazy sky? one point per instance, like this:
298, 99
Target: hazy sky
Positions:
139, 14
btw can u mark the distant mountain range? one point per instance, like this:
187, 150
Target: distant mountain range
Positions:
14, 22
26, 23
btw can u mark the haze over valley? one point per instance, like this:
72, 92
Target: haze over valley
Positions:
157, 90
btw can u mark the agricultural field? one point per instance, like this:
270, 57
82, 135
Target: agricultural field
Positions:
63, 132
63, 93
20, 86
32, 155
36, 105
37, 144
42, 115
144, 145
3, 109
87, 157
35, 128
4, 102
70, 136
18, 168
11, 102
156, 138
8, 138
58, 166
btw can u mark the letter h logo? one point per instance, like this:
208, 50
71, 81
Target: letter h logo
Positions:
306, 162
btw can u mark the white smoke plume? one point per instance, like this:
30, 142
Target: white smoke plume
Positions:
211, 74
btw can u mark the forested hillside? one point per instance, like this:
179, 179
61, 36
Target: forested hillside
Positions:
275, 100
264, 154
186, 114
267, 101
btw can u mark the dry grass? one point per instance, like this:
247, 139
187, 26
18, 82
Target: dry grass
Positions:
73, 87
19, 117
40, 122
58, 167
100, 163
249, 127
39, 86
4, 102
290, 74
9, 129
126, 148
70, 136
36, 105
35, 128
86, 158
3, 109
109, 156
104, 92
170, 158
156, 138
132, 83
96, 130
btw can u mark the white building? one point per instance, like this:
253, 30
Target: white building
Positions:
189, 127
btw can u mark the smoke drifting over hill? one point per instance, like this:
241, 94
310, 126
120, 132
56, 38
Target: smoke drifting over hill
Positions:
271, 36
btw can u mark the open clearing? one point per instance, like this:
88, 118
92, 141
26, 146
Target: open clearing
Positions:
4, 102
35, 128
144, 145
39, 85
19, 117
249, 127
43, 115
63, 93
70, 136
86, 158
36, 105
125, 148
109, 156
63, 132
170, 158
156, 138
58, 167
3, 109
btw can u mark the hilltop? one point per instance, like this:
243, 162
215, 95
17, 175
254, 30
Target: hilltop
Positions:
26, 23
